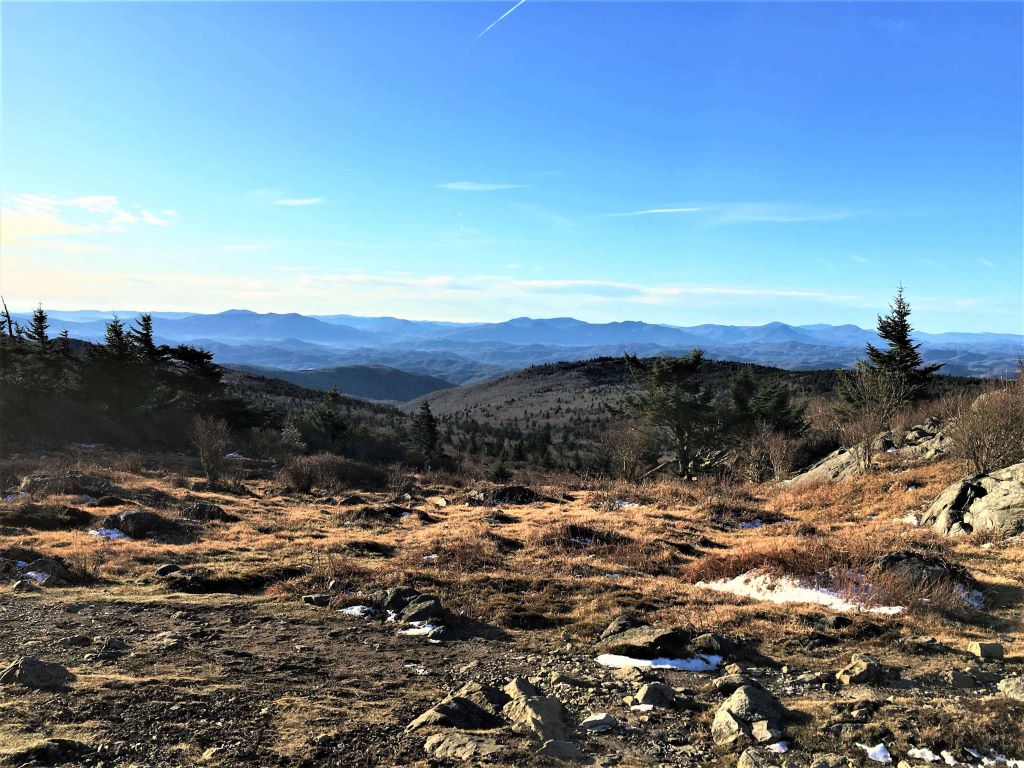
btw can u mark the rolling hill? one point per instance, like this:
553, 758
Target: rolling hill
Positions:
370, 382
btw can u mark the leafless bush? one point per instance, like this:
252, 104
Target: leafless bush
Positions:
869, 401
329, 472
210, 438
633, 448
782, 451
987, 432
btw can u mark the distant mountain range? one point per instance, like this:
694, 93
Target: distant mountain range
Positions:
459, 353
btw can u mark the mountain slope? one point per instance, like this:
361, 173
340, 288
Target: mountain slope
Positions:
370, 382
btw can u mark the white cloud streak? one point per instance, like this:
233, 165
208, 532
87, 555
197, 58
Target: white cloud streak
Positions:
475, 186
298, 202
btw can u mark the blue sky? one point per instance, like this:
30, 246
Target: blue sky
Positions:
670, 162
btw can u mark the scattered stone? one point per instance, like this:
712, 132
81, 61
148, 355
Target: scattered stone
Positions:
598, 722
726, 684
958, 679
542, 716
24, 585
862, 670
167, 569
135, 523
621, 624
318, 600
556, 749
51, 752
1012, 688
754, 758
56, 574
422, 608
520, 688
985, 650
75, 641
33, 673
109, 501
655, 694
203, 512
213, 753
461, 746
735, 720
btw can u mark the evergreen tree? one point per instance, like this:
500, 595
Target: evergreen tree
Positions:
140, 338
670, 396
901, 357
115, 340
38, 331
425, 433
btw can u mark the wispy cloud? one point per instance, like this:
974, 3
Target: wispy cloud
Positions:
860, 259
31, 219
476, 186
296, 202
245, 247
652, 212
500, 19
987, 263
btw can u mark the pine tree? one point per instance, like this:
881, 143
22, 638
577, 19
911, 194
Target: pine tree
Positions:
902, 356
38, 331
140, 338
425, 433
115, 339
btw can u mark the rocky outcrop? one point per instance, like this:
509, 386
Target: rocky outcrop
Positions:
749, 715
67, 482
989, 503
33, 673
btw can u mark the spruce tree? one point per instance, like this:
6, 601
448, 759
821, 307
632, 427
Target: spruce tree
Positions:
140, 337
38, 331
901, 357
425, 433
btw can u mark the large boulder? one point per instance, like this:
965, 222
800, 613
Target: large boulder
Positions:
66, 482
645, 643
923, 570
993, 502
33, 673
838, 465
136, 523
749, 715
541, 716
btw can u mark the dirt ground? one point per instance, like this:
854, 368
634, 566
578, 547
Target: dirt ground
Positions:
234, 668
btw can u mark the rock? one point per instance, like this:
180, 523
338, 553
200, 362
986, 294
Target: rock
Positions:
561, 678
726, 684
711, 643
24, 585
394, 599
735, 720
923, 570
764, 732
838, 465
754, 758
136, 523
958, 679
656, 694
319, 600
621, 624
213, 753
645, 643
1012, 687
487, 698
33, 673
56, 574
422, 608
862, 669
985, 650
993, 502
109, 501
167, 569
520, 687
597, 722
542, 716
556, 749
461, 746
75, 641
51, 752
516, 494
68, 482
203, 512
453, 712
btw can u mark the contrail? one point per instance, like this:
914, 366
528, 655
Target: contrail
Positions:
501, 18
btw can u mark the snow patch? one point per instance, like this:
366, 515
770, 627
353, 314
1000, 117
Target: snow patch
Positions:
757, 523
779, 747
923, 753
910, 519
359, 611
973, 598
878, 753
109, 533
418, 628
786, 589
696, 664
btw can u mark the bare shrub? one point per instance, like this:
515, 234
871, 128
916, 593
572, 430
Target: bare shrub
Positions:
987, 432
329, 472
782, 451
210, 438
869, 400
131, 463
633, 448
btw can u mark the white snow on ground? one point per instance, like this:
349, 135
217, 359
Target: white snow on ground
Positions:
910, 519
416, 628
971, 597
878, 753
779, 747
37, 576
109, 533
923, 753
752, 523
928, 756
786, 589
359, 611
696, 664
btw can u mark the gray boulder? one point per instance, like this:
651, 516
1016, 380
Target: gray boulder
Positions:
541, 716
1012, 688
862, 669
645, 643
747, 715
993, 502
67, 482
136, 523
33, 673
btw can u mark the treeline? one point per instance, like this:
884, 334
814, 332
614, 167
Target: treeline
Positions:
128, 390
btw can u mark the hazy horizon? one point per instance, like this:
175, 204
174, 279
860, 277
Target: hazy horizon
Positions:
673, 163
